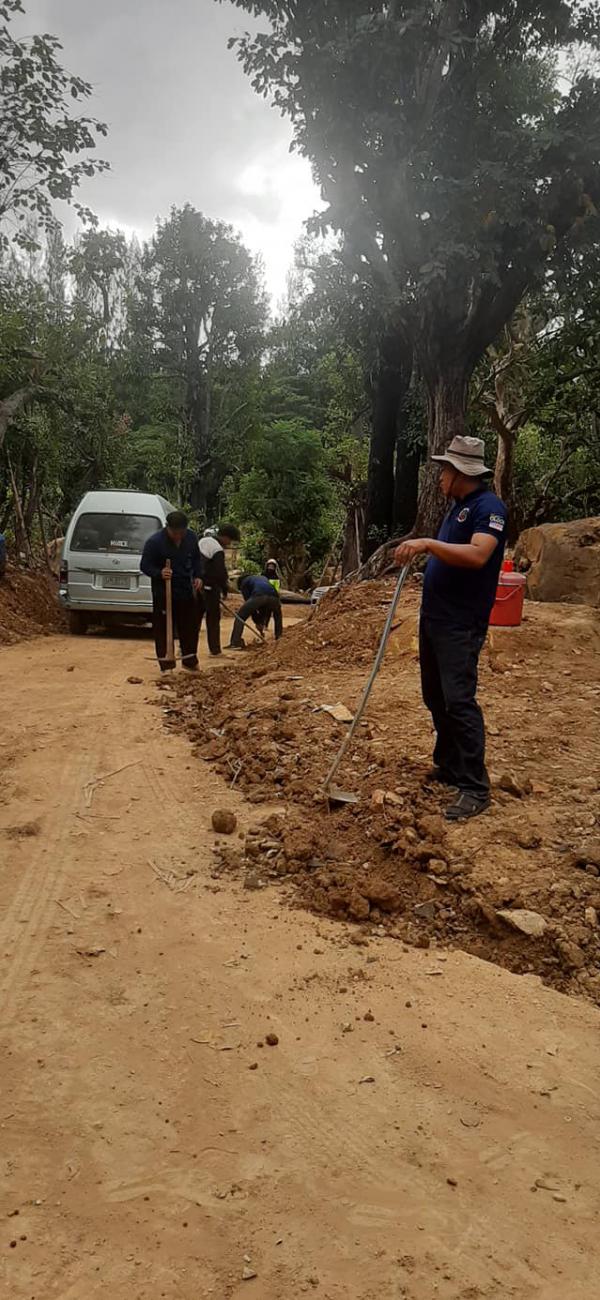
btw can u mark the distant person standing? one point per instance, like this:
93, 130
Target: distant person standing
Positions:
177, 545
273, 574
215, 579
260, 603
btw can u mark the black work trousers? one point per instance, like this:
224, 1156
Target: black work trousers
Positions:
209, 605
186, 627
449, 657
262, 606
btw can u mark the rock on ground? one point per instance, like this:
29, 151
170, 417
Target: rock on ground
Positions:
562, 562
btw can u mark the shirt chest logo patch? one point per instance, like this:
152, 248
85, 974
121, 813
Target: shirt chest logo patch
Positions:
463, 516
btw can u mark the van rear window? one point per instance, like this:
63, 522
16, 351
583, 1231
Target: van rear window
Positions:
113, 534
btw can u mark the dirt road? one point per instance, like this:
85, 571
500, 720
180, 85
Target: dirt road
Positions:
426, 1127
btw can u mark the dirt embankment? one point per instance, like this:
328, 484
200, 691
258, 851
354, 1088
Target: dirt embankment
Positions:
28, 605
519, 886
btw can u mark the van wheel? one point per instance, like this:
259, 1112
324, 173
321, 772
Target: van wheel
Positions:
77, 624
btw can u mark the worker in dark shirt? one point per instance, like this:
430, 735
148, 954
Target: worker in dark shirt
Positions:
260, 602
459, 591
215, 580
177, 545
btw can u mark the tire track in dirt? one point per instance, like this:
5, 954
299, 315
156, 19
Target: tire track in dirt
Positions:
26, 922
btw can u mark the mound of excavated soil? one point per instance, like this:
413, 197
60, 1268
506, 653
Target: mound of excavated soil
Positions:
392, 861
344, 627
28, 605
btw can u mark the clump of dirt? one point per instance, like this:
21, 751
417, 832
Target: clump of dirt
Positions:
391, 863
28, 605
223, 821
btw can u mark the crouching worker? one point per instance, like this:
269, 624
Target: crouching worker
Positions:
260, 602
175, 545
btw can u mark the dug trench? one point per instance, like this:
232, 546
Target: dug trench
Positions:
519, 886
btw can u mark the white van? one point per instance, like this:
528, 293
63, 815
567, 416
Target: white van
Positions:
100, 579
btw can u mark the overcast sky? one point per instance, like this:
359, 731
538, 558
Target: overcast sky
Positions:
184, 122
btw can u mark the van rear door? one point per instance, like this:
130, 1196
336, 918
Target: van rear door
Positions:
104, 561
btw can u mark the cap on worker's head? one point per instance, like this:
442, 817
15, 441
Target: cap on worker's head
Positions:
177, 519
467, 455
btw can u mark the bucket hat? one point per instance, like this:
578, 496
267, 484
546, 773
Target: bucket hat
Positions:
467, 455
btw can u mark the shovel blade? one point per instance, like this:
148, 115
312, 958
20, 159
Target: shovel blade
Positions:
334, 795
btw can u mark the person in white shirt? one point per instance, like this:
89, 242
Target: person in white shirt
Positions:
215, 580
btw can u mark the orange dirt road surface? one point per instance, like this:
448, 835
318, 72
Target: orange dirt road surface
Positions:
427, 1126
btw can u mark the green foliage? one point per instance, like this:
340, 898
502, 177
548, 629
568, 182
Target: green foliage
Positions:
556, 480
452, 157
287, 496
200, 309
45, 143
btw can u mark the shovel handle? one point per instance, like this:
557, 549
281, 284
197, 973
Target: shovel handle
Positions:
369, 686
233, 614
170, 647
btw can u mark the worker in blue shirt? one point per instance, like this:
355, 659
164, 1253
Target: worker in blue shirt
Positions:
260, 602
459, 591
177, 544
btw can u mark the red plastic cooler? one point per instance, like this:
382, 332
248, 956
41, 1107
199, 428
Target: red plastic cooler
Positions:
510, 595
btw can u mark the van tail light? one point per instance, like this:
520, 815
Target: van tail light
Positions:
63, 576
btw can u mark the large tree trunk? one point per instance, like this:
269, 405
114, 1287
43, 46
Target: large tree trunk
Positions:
406, 484
389, 387
447, 392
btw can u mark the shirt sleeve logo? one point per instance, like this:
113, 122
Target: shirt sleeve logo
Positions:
497, 523
463, 516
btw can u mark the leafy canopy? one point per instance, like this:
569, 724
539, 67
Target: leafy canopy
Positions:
287, 495
45, 143
452, 155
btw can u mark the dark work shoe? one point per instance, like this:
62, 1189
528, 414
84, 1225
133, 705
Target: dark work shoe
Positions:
437, 776
235, 647
466, 806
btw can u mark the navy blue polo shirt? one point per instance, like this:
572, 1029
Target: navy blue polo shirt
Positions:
256, 586
466, 596
185, 563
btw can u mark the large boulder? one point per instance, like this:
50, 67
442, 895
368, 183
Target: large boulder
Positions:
562, 562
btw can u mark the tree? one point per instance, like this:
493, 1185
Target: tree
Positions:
42, 133
42, 138
202, 306
448, 157
98, 263
541, 381
287, 497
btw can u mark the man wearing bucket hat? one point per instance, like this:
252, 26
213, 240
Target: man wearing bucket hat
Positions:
459, 590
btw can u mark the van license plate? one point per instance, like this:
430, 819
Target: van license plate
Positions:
113, 580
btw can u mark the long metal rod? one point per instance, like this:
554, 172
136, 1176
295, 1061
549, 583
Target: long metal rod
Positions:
244, 622
369, 686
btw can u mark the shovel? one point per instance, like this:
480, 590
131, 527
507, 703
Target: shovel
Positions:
332, 793
232, 614
169, 661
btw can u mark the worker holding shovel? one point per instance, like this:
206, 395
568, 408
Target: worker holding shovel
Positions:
458, 595
171, 560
